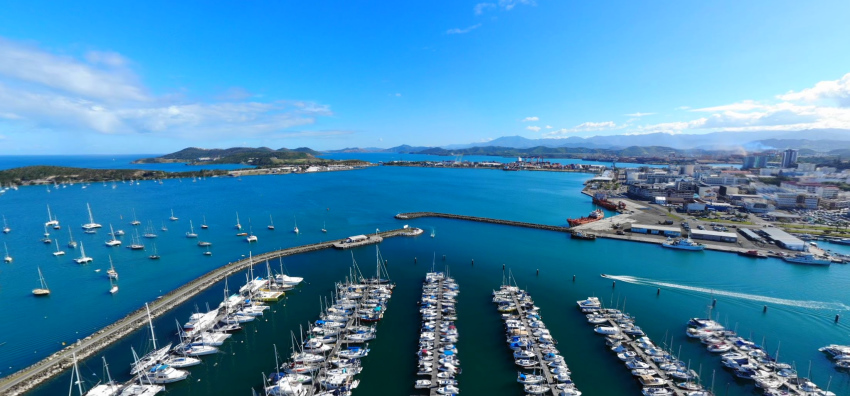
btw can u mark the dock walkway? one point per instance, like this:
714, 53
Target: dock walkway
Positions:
438, 342
550, 380
30, 377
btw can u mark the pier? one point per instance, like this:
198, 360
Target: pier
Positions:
416, 215
550, 380
438, 341
30, 377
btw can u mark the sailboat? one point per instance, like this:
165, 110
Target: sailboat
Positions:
7, 258
295, 230
238, 225
208, 252
83, 259
51, 221
433, 233
271, 223
110, 388
172, 218
114, 241
111, 272
251, 237
43, 290
154, 256
325, 230
154, 356
135, 221
164, 228
204, 225
141, 389
58, 252
91, 225
113, 288
136, 242
46, 238
6, 228
149, 231
72, 243
191, 233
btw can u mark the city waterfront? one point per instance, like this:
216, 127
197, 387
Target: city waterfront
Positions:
802, 300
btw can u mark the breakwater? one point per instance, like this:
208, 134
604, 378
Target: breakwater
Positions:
30, 377
415, 215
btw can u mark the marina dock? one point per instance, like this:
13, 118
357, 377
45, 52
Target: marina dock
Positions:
32, 376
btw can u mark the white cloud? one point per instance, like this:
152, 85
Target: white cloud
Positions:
100, 93
639, 114
838, 90
463, 31
398, 95
583, 127
548, 127
533, 128
530, 119
481, 7
508, 5
746, 105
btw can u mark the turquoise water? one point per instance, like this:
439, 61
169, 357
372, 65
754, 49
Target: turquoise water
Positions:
802, 300
386, 157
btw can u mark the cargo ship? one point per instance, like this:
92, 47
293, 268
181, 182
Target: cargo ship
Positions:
602, 200
593, 216
752, 253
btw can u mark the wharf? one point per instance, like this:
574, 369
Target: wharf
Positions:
370, 239
632, 343
550, 380
438, 341
415, 215
30, 377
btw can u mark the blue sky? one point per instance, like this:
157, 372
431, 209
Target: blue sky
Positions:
109, 77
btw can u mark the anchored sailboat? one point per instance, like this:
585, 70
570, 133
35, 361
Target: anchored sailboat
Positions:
111, 272
51, 221
6, 228
295, 230
204, 225
58, 252
114, 241
72, 243
191, 233
135, 221
43, 290
154, 256
325, 230
83, 259
271, 223
91, 225
7, 258
238, 225
172, 218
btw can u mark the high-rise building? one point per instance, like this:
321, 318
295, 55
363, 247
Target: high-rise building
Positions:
754, 161
789, 158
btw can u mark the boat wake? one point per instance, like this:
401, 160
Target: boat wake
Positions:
743, 296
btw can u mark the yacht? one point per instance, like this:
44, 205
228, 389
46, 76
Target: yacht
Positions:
6, 228
83, 259
682, 244
58, 252
172, 218
271, 223
149, 231
51, 221
110, 388
111, 272
590, 304
152, 358
806, 258
91, 225
113, 287
43, 290
114, 241
72, 243
164, 374
287, 280
295, 230
238, 225
7, 258
135, 221
182, 361
191, 233
204, 225
154, 256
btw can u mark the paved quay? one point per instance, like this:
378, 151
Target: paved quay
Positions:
416, 215
30, 377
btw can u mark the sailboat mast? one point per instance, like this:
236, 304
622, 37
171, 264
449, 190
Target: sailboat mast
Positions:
77, 372
106, 368
150, 322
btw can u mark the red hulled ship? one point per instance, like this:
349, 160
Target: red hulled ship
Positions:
593, 216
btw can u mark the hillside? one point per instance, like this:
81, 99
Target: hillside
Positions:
59, 174
260, 156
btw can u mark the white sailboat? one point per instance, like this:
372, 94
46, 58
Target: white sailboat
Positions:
110, 388
58, 252
72, 243
7, 258
136, 242
251, 237
113, 288
46, 238
164, 228
172, 218
204, 225
83, 259
51, 221
271, 223
238, 225
91, 225
295, 230
325, 230
191, 233
154, 256
6, 228
149, 231
154, 356
111, 272
43, 290
135, 221
114, 241
208, 252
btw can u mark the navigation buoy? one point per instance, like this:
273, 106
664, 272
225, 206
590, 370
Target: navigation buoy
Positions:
444, 257
503, 267
765, 309
386, 262
574, 278
613, 284
714, 303
414, 260
473, 263
658, 292
538, 272
837, 316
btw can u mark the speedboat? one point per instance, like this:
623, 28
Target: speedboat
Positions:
529, 378
163, 374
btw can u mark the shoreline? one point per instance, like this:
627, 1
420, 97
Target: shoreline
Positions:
30, 377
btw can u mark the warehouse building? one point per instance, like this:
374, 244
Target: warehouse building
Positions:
750, 234
714, 236
656, 230
783, 239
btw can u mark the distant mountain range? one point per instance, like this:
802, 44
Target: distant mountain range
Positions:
820, 140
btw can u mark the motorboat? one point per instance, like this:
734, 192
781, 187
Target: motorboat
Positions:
163, 374
683, 244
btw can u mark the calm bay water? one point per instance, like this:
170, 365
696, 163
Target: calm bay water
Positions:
118, 161
802, 300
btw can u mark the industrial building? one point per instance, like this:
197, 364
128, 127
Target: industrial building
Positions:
656, 230
750, 234
714, 236
783, 239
